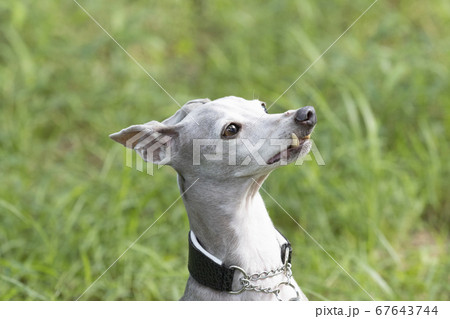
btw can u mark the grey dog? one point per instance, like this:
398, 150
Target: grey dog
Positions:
223, 150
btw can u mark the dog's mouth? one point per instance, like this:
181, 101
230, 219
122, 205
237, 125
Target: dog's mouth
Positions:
291, 151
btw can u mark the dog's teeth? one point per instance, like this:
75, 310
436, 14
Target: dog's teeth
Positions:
295, 142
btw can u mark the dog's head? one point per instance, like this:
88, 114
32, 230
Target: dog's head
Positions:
224, 138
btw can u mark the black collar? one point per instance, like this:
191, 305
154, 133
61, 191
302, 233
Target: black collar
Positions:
209, 271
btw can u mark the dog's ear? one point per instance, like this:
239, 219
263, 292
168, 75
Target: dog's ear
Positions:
184, 111
153, 141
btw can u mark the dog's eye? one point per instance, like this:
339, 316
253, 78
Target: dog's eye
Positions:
264, 106
231, 130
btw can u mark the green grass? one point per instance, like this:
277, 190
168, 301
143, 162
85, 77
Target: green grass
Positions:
69, 206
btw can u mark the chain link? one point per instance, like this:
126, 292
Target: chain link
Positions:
246, 280
267, 274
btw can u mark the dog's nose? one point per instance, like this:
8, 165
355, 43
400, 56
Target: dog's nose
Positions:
306, 116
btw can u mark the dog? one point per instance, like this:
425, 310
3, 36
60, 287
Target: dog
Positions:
223, 150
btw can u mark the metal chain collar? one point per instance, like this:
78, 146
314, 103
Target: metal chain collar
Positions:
246, 280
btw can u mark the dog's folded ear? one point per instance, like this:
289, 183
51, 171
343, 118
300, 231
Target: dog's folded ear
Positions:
153, 141
184, 111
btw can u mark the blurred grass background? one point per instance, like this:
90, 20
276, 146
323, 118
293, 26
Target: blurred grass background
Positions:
69, 206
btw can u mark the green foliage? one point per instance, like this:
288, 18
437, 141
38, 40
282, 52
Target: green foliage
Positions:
69, 207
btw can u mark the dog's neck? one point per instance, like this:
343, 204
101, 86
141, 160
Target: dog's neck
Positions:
231, 222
